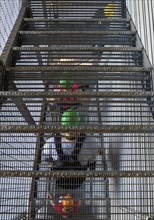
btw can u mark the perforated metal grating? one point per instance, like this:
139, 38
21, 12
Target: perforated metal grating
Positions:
78, 41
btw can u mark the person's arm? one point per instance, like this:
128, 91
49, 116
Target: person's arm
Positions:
79, 202
57, 207
46, 147
51, 200
53, 100
83, 87
49, 149
76, 206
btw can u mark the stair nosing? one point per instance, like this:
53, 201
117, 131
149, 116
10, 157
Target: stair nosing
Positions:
76, 32
89, 68
63, 48
133, 94
78, 19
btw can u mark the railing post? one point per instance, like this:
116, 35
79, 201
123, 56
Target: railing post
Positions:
1, 75
124, 8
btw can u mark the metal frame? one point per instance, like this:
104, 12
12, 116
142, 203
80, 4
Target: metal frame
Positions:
6, 60
13, 38
148, 85
39, 128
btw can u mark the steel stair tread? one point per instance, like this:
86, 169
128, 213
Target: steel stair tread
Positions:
86, 128
112, 94
78, 19
72, 173
73, 48
89, 68
77, 32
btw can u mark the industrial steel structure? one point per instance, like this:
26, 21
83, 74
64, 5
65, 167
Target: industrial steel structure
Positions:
95, 45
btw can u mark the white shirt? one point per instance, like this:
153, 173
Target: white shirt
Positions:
87, 153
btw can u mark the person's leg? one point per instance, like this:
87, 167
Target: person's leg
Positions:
92, 165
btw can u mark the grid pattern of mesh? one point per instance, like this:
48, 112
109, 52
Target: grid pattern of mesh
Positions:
102, 156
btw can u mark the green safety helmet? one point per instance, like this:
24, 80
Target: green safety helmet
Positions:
66, 84
70, 117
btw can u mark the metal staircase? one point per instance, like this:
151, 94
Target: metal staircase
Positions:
98, 47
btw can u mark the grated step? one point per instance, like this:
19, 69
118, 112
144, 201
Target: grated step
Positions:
92, 38
77, 24
77, 33
85, 68
83, 19
77, 48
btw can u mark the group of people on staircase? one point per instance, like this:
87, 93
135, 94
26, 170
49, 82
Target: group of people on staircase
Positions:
70, 150
70, 147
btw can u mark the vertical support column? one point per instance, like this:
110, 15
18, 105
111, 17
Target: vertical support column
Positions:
55, 9
37, 160
1, 81
123, 5
1, 75
33, 191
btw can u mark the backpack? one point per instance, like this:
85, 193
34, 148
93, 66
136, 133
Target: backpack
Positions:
70, 162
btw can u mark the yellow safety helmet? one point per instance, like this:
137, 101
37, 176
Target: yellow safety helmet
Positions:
67, 202
109, 10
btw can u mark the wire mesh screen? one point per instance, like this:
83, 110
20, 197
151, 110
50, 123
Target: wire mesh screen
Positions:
9, 13
77, 116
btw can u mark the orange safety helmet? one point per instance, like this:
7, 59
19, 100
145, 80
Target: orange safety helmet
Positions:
67, 202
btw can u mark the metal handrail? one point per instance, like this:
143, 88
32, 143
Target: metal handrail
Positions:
142, 15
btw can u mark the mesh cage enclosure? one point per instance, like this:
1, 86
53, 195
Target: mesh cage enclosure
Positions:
77, 115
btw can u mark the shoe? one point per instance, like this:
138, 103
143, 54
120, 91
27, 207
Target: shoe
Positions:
49, 160
92, 165
101, 152
54, 163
